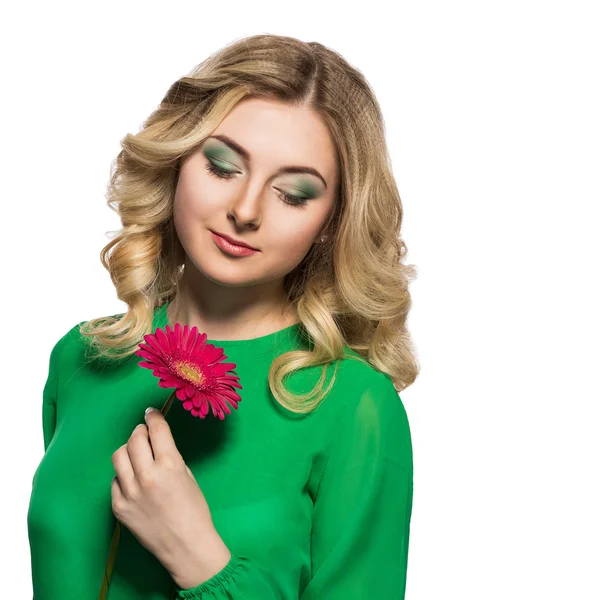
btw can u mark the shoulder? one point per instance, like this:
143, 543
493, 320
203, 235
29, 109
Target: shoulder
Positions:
68, 350
64, 343
368, 432
372, 410
356, 385
364, 383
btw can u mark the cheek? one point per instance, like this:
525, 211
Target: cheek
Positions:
193, 198
189, 216
291, 239
194, 204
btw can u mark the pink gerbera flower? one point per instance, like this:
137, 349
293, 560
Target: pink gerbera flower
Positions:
182, 359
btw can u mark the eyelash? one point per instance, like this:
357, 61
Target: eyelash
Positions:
287, 198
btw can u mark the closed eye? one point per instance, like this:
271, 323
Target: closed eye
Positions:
224, 174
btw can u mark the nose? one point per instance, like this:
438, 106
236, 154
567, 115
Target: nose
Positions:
247, 207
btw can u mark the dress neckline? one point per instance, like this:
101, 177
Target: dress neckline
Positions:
289, 334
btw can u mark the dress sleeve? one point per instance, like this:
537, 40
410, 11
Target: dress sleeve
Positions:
361, 519
49, 397
361, 515
240, 579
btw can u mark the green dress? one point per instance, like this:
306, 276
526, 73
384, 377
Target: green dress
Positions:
311, 507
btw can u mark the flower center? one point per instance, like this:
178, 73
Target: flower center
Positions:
191, 373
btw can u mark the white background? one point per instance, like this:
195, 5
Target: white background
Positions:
492, 118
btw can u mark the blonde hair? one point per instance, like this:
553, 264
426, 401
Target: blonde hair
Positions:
351, 290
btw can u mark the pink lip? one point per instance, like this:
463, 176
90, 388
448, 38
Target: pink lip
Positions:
233, 241
231, 249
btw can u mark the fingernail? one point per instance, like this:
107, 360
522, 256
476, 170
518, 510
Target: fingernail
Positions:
148, 410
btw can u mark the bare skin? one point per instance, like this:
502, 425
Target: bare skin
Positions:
232, 297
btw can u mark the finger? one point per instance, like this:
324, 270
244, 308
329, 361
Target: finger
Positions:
140, 451
161, 437
115, 489
124, 470
116, 497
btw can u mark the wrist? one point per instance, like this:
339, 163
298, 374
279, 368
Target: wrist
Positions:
203, 564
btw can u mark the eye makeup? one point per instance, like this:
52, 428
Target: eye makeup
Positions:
221, 164
235, 147
219, 153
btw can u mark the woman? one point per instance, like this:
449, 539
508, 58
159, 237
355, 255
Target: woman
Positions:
305, 491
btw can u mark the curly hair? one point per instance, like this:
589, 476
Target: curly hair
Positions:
350, 291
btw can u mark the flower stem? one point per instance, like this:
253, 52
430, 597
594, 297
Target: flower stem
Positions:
165, 409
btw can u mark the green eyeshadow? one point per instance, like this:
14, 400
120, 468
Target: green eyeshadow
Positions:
227, 158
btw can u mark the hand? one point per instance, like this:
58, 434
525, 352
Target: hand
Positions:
155, 495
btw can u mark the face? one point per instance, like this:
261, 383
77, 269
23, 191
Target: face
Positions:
241, 185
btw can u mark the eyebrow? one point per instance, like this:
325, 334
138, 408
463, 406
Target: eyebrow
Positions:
246, 155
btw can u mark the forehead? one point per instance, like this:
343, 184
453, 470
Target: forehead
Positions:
278, 134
